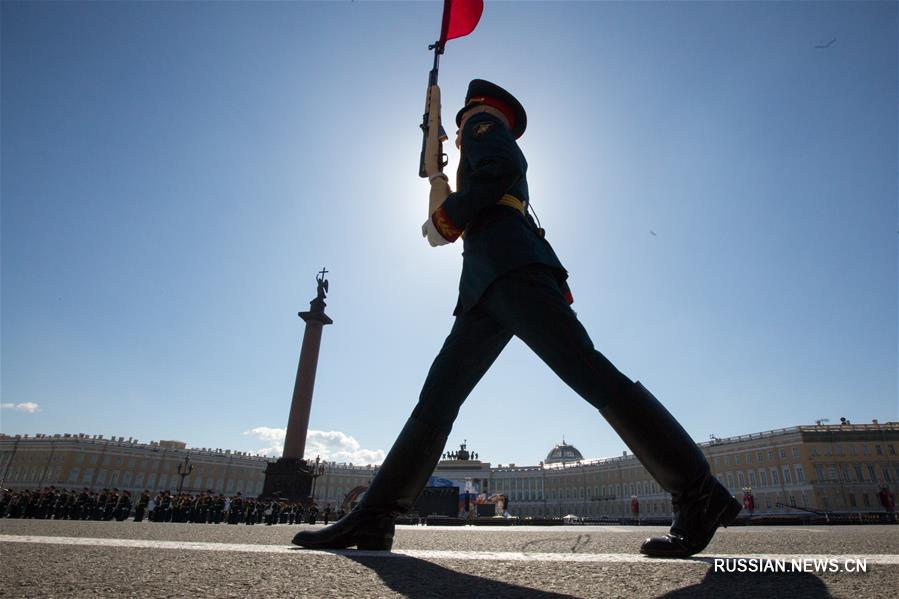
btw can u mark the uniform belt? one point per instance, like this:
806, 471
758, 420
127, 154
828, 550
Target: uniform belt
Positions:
507, 200
512, 202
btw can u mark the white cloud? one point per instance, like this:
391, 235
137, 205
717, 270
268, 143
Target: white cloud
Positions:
332, 446
28, 406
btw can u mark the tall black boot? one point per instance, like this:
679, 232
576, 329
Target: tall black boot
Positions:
393, 491
701, 503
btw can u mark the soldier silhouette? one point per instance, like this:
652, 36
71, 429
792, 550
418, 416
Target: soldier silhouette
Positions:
513, 283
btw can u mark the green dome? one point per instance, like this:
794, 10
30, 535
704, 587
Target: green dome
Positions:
563, 453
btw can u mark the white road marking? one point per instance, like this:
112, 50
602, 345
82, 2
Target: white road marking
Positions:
526, 528
503, 556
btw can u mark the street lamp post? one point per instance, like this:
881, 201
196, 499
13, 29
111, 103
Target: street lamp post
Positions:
184, 471
317, 470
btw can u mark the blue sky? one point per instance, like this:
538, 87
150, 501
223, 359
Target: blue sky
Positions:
174, 175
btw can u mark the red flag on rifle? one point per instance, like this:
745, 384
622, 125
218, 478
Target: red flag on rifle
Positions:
460, 17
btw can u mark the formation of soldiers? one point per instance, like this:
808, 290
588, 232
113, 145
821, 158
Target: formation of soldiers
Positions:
207, 507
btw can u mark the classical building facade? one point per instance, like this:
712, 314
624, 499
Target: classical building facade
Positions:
92, 461
821, 468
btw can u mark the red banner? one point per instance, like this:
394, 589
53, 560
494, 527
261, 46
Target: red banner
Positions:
460, 17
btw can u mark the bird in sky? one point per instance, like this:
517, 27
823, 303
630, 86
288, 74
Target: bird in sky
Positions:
827, 45
653, 233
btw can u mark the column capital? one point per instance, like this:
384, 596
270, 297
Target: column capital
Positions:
315, 316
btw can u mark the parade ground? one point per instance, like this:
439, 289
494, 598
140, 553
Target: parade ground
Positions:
45, 558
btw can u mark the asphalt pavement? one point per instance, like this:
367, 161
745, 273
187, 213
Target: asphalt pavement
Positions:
45, 558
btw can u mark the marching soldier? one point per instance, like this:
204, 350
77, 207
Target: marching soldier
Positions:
142, 504
512, 283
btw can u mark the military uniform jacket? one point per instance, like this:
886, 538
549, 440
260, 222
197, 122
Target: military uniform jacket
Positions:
499, 235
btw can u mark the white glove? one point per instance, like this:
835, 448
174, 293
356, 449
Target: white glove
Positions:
430, 231
440, 189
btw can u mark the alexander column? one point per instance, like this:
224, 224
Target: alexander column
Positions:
291, 476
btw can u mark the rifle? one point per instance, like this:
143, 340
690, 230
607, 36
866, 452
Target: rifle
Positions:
459, 19
433, 158
433, 135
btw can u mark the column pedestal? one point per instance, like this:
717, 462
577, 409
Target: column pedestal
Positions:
290, 478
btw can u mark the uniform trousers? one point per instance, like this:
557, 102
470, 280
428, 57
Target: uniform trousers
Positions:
527, 303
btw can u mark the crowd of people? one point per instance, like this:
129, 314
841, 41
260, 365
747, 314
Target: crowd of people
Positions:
206, 507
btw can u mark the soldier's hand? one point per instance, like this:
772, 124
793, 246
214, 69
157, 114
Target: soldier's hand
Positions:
430, 231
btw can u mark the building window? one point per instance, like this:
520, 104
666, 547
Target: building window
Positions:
845, 468
866, 450
832, 473
79, 458
737, 460
852, 450
871, 473
730, 480
741, 482
786, 474
93, 458
770, 455
760, 457
886, 474
73, 475
751, 478
795, 452
783, 453
819, 472
763, 479
878, 449
852, 500
865, 500
774, 480
800, 475
892, 449
858, 473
